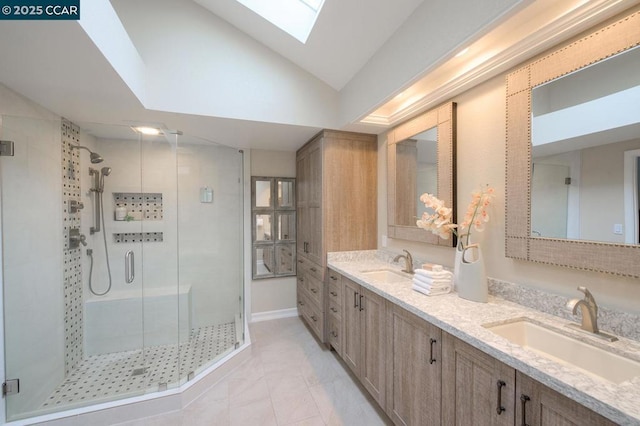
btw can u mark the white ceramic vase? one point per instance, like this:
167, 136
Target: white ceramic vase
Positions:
470, 278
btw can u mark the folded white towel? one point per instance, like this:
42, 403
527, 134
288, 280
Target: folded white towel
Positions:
431, 281
433, 274
436, 287
430, 292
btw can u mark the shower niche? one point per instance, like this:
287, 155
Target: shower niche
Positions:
134, 207
139, 206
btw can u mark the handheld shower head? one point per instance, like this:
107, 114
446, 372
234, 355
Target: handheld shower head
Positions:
105, 171
94, 157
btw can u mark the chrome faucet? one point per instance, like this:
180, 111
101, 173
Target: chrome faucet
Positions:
408, 267
589, 309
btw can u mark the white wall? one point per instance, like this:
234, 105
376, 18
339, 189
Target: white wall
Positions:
32, 253
272, 294
481, 160
224, 81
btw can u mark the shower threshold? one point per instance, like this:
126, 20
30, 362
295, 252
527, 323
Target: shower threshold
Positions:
102, 378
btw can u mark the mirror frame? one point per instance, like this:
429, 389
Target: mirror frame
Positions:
613, 258
444, 117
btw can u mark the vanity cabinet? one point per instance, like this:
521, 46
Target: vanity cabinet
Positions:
364, 317
336, 205
537, 404
480, 390
414, 369
476, 388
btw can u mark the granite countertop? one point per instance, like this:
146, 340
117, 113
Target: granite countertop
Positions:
464, 319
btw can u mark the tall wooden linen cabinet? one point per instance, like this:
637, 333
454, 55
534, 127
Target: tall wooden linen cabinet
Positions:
336, 210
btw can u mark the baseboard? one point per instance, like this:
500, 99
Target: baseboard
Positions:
271, 315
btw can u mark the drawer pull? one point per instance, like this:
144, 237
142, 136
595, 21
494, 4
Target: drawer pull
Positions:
300, 261
333, 309
500, 409
333, 293
431, 358
301, 303
313, 317
313, 269
334, 334
524, 399
334, 278
313, 290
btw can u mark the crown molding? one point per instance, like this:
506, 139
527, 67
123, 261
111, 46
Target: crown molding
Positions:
553, 33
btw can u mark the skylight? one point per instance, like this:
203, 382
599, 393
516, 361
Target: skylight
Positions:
295, 17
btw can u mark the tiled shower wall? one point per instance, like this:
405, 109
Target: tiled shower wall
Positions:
73, 336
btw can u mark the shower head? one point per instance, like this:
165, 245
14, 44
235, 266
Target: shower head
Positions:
106, 171
96, 158
93, 156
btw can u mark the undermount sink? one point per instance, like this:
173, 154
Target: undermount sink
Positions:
386, 275
564, 349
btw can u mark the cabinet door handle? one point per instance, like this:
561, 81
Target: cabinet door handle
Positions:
431, 358
333, 309
300, 261
333, 278
500, 408
314, 269
334, 334
313, 317
333, 293
524, 399
313, 290
361, 305
355, 299
301, 303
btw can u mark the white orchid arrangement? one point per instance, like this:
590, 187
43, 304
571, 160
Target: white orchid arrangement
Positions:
440, 222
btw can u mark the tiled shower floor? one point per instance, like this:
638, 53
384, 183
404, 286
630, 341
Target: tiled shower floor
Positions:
102, 377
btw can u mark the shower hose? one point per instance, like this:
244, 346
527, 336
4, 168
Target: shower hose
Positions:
106, 253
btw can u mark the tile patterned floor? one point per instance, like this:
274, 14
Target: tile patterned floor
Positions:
290, 379
100, 378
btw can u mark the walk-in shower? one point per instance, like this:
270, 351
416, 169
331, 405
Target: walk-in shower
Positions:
81, 327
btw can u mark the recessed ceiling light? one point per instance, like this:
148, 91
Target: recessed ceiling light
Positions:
151, 131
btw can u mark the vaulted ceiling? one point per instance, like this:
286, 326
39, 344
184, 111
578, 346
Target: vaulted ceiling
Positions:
214, 69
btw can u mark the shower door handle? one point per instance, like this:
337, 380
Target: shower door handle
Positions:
129, 269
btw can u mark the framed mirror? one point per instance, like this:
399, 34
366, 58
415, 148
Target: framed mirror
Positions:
420, 158
273, 227
573, 149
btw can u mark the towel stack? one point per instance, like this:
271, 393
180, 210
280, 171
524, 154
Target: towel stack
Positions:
433, 280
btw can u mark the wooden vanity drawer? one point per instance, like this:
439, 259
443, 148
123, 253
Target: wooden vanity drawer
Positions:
314, 289
335, 308
334, 326
307, 267
335, 287
314, 319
